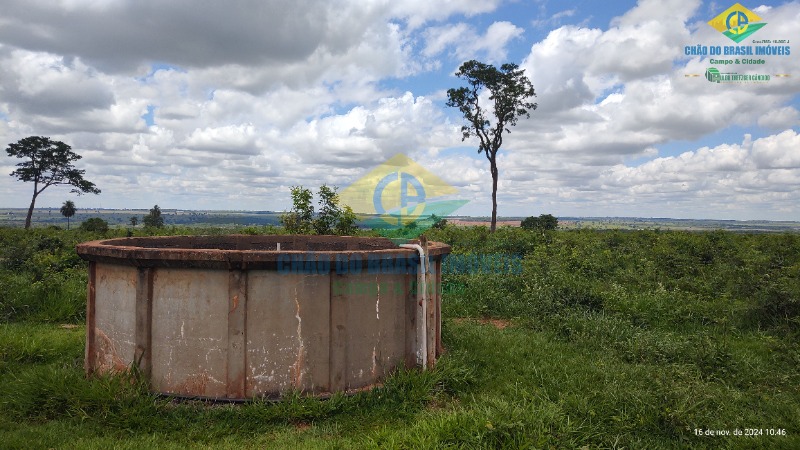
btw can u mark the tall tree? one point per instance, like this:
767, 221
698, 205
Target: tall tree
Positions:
68, 210
509, 90
49, 164
154, 219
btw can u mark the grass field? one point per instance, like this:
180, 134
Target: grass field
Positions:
602, 339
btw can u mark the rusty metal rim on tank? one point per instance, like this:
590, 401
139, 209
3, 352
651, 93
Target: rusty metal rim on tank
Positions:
126, 251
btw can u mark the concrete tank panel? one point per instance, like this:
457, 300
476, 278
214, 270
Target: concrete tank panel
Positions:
239, 316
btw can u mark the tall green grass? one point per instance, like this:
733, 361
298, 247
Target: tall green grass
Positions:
613, 340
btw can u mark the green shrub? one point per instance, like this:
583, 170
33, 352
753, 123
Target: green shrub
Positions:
95, 224
543, 222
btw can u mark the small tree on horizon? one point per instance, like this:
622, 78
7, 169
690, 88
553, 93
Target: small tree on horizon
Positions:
543, 222
509, 90
153, 219
134, 221
49, 164
68, 210
438, 222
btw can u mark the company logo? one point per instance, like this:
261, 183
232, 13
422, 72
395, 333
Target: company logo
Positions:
712, 74
737, 22
400, 192
715, 76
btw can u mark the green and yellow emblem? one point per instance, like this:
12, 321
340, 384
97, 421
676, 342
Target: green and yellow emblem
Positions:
399, 192
737, 22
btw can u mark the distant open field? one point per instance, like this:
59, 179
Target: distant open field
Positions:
15, 217
637, 223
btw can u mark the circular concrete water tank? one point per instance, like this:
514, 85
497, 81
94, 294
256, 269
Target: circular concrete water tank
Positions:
239, 316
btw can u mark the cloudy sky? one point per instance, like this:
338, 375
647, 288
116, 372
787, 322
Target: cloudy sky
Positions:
225, 105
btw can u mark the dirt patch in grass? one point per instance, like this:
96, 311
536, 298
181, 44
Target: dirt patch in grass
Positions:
302, 426
500, 324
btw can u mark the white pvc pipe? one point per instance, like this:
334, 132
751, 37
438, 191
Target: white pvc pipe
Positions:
422, 327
